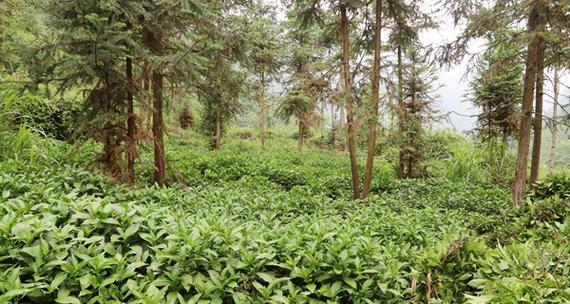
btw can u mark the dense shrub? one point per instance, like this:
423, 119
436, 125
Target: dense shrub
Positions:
320, 141
554, 185
273, 227
68, 236
77, 247
440, 144
47, 117
309, 134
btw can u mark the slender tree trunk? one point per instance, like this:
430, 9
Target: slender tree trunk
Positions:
171, 101
333, 118
538, 112
400, 113
332, 130
218, 142
552, 161
141, 100
342, 116
323, 122
413, 136
340, 107
536, 19
342, 129
269, 122
348, 95
157, 128
301, 136
262, 108
374, 102
151, 98
145, 85
131, 124
110, 157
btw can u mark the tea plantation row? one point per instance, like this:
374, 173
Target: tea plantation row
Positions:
275, 229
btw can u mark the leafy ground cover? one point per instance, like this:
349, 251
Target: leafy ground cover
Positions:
246, 227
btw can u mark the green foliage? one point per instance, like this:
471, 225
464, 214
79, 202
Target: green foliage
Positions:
555, 185
19, 30
221, 96
297, 104
440, 144
265, 51
466, 164
28, 127
497, 88
246, 225
50, 118
507, 276
490, 162
126, 247
275, 227
415, 113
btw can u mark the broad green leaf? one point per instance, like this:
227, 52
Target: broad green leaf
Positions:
67, 300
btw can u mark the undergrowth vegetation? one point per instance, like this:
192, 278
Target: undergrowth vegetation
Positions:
220, 151
276, 227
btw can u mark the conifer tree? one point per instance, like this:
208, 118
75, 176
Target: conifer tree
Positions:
497, 90
172, 50
418, 94
88, 51
264, 56
375, 99
220, 92
221, 86
536, 23
310, 12
498, 15
408, 21
305, 86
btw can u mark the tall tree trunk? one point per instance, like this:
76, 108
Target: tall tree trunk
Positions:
340, 107
552, 160
400, 113
131, 124
157, 128
145, 85
262, 108
536, 19
348, 95
342, 116
150, 94
301, 135
333, 118
323, 124
538, 112
171, 101
110, 144
374, 102
218, 142
332, 130
412, 137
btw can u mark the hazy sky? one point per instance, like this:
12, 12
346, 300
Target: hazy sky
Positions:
453, 85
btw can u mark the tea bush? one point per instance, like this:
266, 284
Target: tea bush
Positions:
273, 227
47, 117
554, 185
66, 240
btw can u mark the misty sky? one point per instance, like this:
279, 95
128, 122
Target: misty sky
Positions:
453, 83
